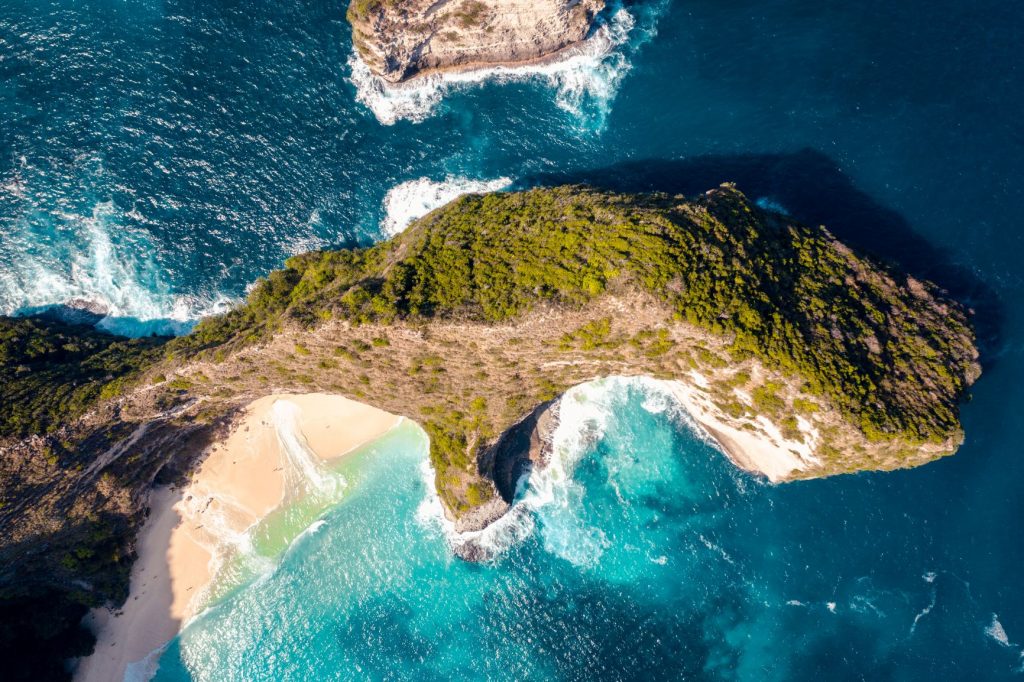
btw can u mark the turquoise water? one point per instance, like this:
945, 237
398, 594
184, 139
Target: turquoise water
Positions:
375, 593
654, 558
157, 156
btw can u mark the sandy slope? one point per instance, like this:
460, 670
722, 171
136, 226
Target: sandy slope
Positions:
242, 479
764, 452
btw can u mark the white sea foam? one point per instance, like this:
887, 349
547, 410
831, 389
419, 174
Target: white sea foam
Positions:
717, 549
863, 604
514, 527
549, 494
926, 610
548, 497
586, 78
996, 632
145, 669
305, 474
313, 529
229, 533
233, 558
115, 278
545, 493
413, 199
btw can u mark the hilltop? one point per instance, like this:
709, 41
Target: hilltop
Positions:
802, 358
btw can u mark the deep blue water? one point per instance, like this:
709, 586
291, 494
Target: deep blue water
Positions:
158, 157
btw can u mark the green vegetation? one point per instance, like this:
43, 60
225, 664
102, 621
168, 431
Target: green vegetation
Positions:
766, 399
804, 406
893, 359
893, 362
51, 372
717, 282
470, 13
739, 380
360, 10
451, 437
791, 428
590, 336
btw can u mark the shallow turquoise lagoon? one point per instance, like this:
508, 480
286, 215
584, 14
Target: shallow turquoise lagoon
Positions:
157, 156
641, 554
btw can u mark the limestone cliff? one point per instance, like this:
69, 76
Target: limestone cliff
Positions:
800, 357
402, 39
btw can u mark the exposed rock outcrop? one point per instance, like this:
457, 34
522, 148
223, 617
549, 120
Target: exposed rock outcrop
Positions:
801, 358
525, 445
400, 40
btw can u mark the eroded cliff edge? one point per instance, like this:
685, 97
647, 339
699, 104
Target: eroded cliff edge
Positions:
401, 39
802, 358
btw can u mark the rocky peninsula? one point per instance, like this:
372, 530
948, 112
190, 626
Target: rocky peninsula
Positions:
799, 357
402, 40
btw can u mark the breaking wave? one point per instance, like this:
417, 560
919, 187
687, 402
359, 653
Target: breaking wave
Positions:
305, 473
413, 199
98, 270
237, 545
549, 497
586, 80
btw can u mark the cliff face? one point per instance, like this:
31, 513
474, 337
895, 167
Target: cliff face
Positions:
802, 358
401, 39
781, 340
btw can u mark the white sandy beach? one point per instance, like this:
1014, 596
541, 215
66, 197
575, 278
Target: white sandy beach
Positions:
245, 477
242, 479
767, 453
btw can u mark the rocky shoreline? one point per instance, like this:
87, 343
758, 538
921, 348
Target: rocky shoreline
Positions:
522, 447
773, 331
400, 42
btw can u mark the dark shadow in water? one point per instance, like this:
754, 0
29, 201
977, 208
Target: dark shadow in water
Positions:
75, 314
811, 188
63, 312
360, 241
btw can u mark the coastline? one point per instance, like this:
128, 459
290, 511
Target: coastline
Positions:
246, 476
190, 532
483, 68
526, 450
419, 38
415, 96
767, 453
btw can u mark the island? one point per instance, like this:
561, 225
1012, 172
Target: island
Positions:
402, 40
798, 357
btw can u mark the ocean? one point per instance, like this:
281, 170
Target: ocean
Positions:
157, 157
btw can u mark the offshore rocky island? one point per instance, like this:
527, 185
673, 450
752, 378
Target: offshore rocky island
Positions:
400, 40
799, 357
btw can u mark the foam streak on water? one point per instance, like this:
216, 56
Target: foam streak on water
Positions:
636, 547
242, 551
413, 199
585, 80
304, 473
105, 268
